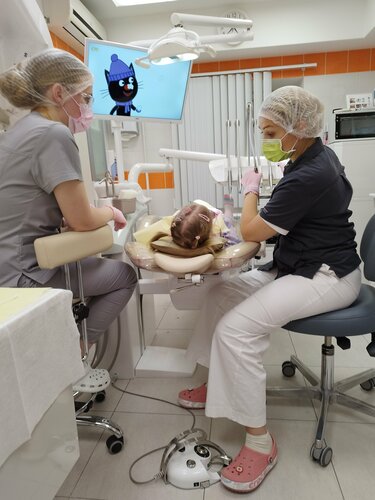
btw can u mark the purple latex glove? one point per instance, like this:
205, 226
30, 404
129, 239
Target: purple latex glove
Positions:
118, 218
251, 182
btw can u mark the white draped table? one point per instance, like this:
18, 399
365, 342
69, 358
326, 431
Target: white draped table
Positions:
39, 360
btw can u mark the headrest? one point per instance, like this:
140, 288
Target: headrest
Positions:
180, 266
167, 245
231, 257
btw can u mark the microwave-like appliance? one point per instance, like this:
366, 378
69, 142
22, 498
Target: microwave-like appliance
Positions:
358, 124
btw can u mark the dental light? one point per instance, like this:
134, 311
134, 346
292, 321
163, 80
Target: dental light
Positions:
180, 44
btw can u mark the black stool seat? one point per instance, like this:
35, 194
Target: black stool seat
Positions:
357, 319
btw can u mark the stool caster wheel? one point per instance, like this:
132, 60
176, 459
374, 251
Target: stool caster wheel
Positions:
114, 444
321, 455
288, 369
368, 385
100, 396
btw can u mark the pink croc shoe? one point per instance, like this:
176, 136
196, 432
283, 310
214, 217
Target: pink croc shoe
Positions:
248, 469
193, 398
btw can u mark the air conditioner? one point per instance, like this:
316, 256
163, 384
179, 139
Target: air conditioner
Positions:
71, 21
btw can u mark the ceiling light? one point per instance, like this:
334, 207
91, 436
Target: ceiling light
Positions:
128, 3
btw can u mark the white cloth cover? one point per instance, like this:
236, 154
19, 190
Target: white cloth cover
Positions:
39, 357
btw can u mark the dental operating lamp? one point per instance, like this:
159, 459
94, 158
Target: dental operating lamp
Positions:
180, 44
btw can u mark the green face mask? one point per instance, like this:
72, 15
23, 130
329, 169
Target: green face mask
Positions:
272, 149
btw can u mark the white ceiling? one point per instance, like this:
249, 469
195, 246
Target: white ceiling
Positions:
105, 9
281, 27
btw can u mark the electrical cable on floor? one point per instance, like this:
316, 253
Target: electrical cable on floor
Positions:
159, 474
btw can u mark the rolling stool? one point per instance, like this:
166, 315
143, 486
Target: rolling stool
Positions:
63, 249
357, 319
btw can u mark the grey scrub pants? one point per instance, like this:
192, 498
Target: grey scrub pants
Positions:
108, 283
234, 326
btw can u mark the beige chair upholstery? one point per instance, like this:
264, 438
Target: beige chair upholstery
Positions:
71, 246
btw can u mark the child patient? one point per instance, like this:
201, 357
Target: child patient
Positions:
195, 223
191, 226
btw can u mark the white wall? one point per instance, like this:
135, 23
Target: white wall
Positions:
281, 28
332, 89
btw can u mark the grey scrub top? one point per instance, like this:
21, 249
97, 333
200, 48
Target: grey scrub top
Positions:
36, 155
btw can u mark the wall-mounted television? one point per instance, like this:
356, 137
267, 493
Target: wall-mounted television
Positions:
124, 90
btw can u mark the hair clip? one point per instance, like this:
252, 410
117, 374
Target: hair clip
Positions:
204, 217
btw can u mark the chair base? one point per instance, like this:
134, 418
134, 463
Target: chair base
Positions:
327, 392
115, 441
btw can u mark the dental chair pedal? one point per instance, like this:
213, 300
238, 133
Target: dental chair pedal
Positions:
95, 380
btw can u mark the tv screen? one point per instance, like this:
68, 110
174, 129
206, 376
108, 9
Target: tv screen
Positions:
124, 90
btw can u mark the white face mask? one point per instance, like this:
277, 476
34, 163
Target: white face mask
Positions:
83, 122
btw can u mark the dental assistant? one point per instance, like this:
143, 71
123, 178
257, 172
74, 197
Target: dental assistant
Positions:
314, 270
41, 184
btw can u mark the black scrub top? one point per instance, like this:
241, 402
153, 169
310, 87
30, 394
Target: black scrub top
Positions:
311, 203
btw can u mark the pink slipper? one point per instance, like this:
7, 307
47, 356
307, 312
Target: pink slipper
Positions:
193, 398
248, 469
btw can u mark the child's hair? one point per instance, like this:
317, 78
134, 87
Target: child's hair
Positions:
191, 226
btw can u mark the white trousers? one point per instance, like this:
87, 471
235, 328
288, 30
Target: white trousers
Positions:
233, 332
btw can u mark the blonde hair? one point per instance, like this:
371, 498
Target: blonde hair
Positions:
25, 85
191, 226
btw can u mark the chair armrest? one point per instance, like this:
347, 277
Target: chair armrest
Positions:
70, 246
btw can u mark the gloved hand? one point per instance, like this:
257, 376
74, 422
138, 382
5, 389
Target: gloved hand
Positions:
251, 182
118, 218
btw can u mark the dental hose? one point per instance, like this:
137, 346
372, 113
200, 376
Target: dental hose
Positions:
159, 475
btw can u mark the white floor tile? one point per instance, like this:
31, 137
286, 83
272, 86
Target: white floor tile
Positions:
149, 424
338, 413
164, 388
112, 398
88, 439
106, 477
353, 459
289, 409
295, 477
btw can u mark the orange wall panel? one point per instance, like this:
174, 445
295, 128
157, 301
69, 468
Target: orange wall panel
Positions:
169, 180
229, 65
372, 62
320, 59
359, 60
249, 63
337, 62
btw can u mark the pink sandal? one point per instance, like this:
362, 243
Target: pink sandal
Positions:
248, 469
193, 398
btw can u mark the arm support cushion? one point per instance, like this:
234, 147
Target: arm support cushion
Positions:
70, 246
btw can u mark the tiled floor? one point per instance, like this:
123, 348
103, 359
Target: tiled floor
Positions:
150, 424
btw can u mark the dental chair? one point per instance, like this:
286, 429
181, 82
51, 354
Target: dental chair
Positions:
60, 250
186, 280
357, 319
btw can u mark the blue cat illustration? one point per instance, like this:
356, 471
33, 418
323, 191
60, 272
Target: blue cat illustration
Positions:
122, 86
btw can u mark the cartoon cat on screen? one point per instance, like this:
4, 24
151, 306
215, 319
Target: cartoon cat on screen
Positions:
122, 86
